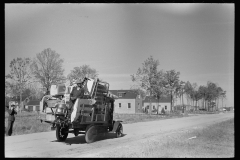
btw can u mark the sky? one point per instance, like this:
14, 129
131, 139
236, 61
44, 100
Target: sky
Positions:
196, 40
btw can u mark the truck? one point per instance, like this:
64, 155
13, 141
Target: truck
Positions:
93, 120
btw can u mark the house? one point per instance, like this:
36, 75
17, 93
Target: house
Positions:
33, 105
127, 101
158, 105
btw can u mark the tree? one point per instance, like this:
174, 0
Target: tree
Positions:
138, 90
188, 90
211, 92
171, 82
146, 77
180, 92
47, 68
203, 93
223, 96
19, 75
219, 91
159, 90
81, 72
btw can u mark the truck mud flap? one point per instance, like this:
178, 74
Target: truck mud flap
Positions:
115, 126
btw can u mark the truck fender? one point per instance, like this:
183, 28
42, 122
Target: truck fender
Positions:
115, 126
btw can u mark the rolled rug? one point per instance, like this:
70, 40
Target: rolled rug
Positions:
76, 110
77, 107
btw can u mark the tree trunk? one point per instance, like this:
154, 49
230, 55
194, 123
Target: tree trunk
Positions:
171, 101
182, 103
222, 102
20, 103
150, 107
207, 107
203, 103
180, 99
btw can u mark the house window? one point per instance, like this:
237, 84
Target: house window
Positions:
138, 106
153, 107
129, 105
147, 107
119, 105
165, 107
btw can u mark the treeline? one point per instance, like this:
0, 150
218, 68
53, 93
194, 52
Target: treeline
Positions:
30, 77
159, 83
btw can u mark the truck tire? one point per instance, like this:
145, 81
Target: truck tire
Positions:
119, 131
61, 133
91, 134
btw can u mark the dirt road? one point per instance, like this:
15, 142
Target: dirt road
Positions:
45, 145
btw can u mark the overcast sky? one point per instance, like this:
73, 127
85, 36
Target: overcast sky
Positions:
195, 39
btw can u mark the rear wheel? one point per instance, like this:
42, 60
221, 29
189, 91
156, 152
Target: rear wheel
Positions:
119, 131
91, 134
61, 133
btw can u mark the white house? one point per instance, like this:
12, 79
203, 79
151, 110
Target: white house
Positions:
162, 103
127, 101
33, 105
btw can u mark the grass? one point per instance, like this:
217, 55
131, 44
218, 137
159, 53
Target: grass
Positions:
215, 141
27, 122
133, 118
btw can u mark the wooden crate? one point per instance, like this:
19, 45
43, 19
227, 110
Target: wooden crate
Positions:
86, 118
50, 117
99, 117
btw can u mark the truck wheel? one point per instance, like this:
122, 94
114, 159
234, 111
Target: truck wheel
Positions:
119, 131
61, 133
91, 134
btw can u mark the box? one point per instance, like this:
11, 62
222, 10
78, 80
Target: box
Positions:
99, 117
50, 117
86, 118
51, 103
57, 89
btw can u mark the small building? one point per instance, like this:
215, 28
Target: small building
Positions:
127, 101
33, 105
157, 104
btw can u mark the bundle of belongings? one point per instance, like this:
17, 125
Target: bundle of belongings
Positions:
79, 94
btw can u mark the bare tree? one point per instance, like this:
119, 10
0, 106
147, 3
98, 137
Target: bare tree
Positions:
146, 77
47, 68
81, 72
171, 82
20, 75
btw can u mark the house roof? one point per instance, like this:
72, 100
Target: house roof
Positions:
33, 103
127, 94
155, 100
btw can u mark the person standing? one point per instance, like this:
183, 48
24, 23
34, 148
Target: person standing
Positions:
11, 118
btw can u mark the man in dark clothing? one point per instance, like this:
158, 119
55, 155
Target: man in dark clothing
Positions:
77, 92
11, 118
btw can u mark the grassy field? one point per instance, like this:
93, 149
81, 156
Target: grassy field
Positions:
215, 141
133, 118
27, 122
